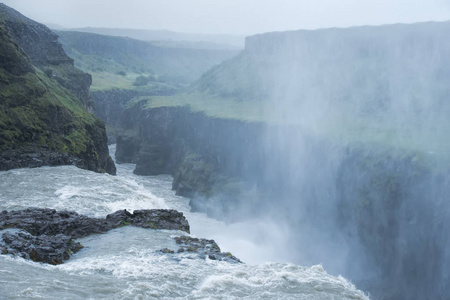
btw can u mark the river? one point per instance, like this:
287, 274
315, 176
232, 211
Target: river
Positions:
125, 263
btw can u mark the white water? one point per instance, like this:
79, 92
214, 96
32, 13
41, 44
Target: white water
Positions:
125, 263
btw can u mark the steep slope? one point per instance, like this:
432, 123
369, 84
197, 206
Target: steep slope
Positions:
124, 68
118, 58
43, 116
41, 46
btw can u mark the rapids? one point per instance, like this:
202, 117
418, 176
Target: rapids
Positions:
125, 263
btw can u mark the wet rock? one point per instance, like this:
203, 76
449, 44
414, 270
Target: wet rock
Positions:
40, 221
203, 248
167, 250
159, 219
51, 249
47, 235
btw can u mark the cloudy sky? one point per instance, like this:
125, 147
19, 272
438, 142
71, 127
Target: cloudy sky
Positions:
230, 16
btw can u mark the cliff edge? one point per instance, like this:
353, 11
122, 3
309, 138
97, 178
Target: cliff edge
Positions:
44, 102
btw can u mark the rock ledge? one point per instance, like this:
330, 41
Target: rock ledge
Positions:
47, 235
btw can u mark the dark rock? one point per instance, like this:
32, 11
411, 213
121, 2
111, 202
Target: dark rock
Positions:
166, 250
203, 247
46, 234
51, 249
40, 221
159, 219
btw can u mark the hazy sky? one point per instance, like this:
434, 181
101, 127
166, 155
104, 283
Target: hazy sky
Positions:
230, 16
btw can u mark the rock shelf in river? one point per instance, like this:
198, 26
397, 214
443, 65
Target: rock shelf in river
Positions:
203, 248
47, 235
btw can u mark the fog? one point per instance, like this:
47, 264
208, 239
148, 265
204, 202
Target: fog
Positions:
231, 16
357, 158
355, 175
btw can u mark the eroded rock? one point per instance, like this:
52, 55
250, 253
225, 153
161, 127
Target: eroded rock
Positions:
47, 235
51, 249
203, 248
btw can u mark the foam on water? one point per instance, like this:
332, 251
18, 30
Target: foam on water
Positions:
68, 187
125, 263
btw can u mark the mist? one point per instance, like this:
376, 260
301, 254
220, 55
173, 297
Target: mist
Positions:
355, 159
342, 159
229, 17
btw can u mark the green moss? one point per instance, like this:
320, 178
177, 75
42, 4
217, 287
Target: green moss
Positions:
167, 250
215, 247
37, 111
124, 223
152, 225
213, 106
77, 141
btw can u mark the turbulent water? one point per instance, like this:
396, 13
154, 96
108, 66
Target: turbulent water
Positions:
125, 263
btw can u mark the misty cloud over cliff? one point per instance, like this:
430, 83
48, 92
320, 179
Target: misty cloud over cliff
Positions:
231, 16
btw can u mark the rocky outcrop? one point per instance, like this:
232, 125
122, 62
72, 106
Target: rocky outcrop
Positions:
54, 249
43, 116
109, 106
47, 235
52, 222
203, 248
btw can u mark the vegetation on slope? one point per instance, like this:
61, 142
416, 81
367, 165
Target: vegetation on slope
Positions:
35, 110
43, 102
116, 62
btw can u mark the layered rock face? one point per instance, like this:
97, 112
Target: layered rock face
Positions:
110, 106
44, 102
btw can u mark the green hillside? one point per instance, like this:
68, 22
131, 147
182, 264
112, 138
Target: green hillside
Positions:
32, 104
119, 62
42, 122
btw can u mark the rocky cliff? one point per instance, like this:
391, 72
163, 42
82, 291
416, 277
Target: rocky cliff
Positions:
44, 101
42, 48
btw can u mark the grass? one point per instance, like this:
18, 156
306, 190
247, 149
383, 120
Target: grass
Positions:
412, 139
213, 106
37, 112
103, 80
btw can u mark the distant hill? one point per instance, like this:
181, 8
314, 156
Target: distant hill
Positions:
116, 62
175, 39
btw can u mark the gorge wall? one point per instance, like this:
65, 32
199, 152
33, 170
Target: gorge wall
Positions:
44, 117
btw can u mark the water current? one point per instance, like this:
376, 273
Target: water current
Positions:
125, 263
